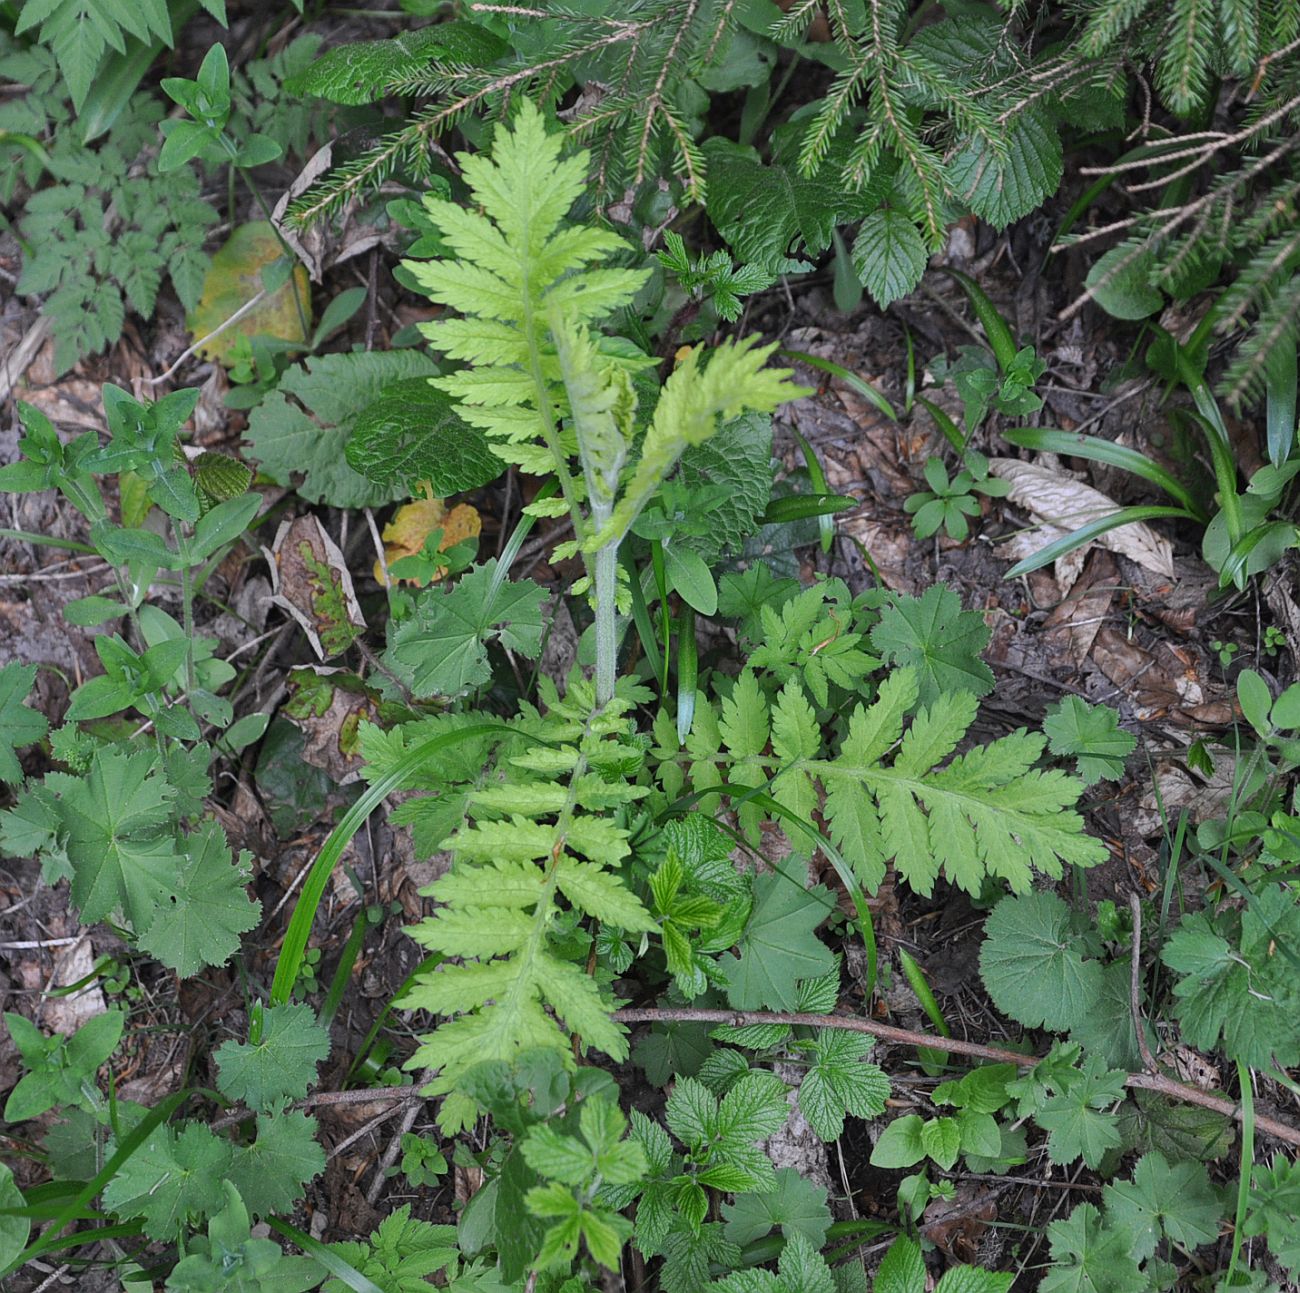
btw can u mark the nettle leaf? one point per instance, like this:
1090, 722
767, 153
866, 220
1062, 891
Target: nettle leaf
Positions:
281, 1064
1032, 966
1090, 1255
412, 434
1003, 189
779, 946
441, 650
903, 1268
889, 255
1091, 734
1179, 1131
737, 459
364, 71
303, 426
19, 726
942, 642
839, 1082
403, 1254
769, 215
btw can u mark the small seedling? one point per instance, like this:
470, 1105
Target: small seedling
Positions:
1225, 651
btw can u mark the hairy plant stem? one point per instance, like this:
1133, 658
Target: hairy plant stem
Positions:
187, 611
606, 586
1156, 1082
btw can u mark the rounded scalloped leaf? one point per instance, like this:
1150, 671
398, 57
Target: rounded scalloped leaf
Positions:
1032, 966
234, 278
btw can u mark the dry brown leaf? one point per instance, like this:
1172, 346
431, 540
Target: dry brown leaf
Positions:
1067, 504
1072, 627
326, 243
310, 580
1202, 797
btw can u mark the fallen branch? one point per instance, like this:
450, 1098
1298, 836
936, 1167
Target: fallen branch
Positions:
906, 1037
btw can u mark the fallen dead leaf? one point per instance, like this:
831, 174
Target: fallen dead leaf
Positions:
405, 534
1066, 504
328, 706
310, 580
955, 1226
234, 281
1072, 627
1201, 796
73, 964
325, 243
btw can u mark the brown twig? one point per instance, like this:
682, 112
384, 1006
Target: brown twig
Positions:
391, 1153
1135, 988
323, 1099
1156, 1082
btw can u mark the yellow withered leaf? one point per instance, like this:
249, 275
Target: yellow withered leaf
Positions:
234, 279
412, 524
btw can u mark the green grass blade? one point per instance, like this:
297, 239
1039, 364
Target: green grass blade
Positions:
1280, 400
1001, 342
1048, 440
825, 526
645, 628
951, 431
688, 670
799, 507
1087, 533
304, 913
1234, 564
340, 1269
430, 962
929, 1057
1210, 420
343, 971
1246, 1168
45, 540
135, 1138
850, 379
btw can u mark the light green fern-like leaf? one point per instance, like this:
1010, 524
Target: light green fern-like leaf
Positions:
513, 876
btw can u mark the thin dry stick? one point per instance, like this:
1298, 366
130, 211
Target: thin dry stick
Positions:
381, 1095
1135, 985
203, 341
391, 1153
906, 1037
365, 1129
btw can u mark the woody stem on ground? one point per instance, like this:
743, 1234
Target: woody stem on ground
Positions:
1156, 1082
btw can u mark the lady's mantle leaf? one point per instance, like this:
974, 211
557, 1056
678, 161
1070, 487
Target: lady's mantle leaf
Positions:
1092, 735
281, 1065
19, 725
778, 946
940, 640
1032, 966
